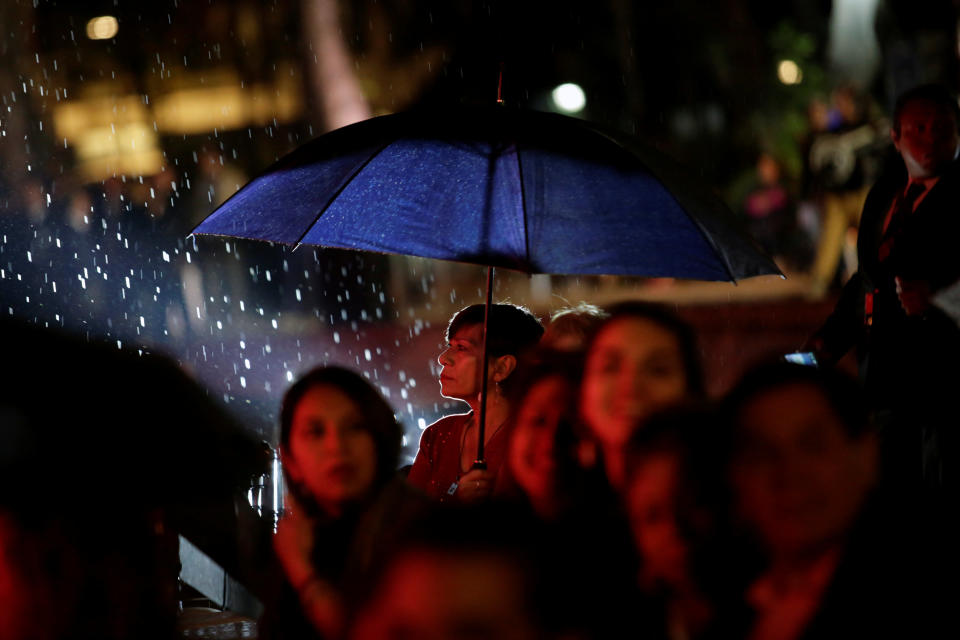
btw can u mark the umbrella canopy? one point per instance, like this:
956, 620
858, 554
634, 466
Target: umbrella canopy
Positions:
531, 191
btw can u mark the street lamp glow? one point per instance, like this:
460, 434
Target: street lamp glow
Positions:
102, 28
789, 72
569, 98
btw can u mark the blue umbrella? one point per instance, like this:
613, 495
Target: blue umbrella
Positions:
531, 191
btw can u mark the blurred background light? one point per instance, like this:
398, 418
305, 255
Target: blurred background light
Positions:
102, 28
789, 72
569, 98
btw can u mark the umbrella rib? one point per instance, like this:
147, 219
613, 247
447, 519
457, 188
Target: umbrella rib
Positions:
339, 190
706, 236
523, 209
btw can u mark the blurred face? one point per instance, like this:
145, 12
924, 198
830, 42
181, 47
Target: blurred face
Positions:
330, 452
531, 457
927, 140
651, 501
442, 596
798, 479
461, 362
634, 368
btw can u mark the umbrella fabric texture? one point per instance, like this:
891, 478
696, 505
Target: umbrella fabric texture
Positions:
530, 191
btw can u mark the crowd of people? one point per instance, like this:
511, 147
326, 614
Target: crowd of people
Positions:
592, 490
614, 499
806, 216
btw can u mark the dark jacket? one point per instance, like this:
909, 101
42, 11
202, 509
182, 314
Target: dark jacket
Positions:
901, 356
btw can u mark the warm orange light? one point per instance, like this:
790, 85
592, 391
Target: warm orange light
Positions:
102, 28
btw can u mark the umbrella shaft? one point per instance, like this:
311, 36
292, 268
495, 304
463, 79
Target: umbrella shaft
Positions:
480, 463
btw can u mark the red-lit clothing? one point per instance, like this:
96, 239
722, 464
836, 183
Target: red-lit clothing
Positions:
784, 605
927, 186
438, 466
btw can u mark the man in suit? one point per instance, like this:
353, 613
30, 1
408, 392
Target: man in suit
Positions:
908, 249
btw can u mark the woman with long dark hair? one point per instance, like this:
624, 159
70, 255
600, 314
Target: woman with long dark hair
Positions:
340, 444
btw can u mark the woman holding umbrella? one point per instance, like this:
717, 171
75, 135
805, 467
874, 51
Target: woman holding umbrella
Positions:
445, 465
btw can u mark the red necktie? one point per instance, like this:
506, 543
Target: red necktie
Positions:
900, 213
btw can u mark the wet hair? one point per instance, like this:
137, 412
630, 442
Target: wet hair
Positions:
378, 418
512, 330
842, 392
577, 322
669, 322
933, 93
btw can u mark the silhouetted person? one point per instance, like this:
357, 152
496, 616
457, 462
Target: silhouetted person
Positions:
907, 249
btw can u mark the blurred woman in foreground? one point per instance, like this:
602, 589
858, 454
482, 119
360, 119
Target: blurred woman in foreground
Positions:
340, 444
641, 359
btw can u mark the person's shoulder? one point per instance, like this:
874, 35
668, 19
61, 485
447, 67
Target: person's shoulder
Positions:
447, 423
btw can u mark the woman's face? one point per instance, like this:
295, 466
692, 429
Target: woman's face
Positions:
634, 368
461, 362
651, 503
531, 457
330, 452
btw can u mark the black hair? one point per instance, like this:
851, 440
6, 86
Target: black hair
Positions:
511, 330
934, 93
379, 419
842, 392
670, 322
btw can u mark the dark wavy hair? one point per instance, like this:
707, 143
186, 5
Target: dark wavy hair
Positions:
378, 418
669, 322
